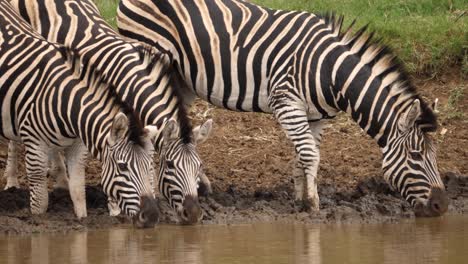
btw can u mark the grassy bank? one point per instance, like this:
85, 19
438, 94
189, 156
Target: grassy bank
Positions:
108, 9
430, 36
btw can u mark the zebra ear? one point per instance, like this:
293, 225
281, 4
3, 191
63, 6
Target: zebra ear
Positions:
410, 116
170, 130
201, 133
119, 128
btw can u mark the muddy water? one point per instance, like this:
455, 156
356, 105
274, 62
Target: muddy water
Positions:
442, 240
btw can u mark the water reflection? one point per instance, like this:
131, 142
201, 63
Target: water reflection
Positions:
440, 240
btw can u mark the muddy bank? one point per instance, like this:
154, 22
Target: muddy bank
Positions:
15, 216
370, 201
249, 161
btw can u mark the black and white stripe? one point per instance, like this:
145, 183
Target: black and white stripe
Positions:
47, 105
142, 76
302, 68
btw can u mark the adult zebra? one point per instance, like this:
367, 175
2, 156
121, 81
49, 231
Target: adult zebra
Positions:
48, 106
303, 69
142, 76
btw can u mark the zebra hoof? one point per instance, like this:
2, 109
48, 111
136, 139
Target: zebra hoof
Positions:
11, 185
60, 186
307, 205
300, 206
113, 206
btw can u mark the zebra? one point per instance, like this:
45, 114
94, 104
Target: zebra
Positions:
304, 69
48, 105
142, 76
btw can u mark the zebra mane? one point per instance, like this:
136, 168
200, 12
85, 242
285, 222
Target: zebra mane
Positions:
94, 78
135, 126
186, 132
152, 57
362, 43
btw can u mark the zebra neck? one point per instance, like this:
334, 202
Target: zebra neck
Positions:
90, 112
373, 103
143, 85
116, 60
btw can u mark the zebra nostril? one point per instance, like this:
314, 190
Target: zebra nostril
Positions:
438, 202
142, 217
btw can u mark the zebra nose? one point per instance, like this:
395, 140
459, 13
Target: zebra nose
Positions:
191, 212
148, 216
437, 204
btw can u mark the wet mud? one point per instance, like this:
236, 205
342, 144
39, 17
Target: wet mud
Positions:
371, 201
249, 162
16, 218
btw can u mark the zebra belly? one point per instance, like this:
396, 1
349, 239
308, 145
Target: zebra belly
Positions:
250, 102
314, 115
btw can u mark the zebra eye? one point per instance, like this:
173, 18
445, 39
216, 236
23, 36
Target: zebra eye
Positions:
122, 166
416, 155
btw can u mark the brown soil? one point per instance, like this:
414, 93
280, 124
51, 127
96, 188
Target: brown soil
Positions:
249, 161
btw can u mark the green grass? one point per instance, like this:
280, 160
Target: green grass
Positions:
429, 36
108, 9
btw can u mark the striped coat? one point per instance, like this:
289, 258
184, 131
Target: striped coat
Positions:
49, 106
144, 78
304, 69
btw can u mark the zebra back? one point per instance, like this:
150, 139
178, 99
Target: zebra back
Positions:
303, 68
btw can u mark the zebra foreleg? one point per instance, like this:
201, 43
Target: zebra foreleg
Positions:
310, 188
57, 169
301, 184
11, 170
299, 178
75, 156
292, 116
36, 169
113, 206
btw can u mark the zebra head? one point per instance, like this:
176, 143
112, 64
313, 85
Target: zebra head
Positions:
128, 172
181, 176
410, 166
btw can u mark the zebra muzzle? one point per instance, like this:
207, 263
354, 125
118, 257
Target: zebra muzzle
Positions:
191, 211
148, 216
436, 205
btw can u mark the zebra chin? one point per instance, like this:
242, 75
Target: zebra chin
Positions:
436, 205
148, 215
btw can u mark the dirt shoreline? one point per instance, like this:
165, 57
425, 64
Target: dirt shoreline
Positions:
249, 162
370, 202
